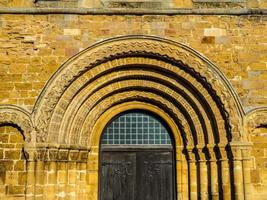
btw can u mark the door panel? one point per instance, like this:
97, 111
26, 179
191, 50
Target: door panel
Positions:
118, 176
154, 176
137, 175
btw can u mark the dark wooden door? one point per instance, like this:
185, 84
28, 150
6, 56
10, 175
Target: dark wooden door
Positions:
118, 176
137, 174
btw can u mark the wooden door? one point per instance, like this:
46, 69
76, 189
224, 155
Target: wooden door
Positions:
137, 174
137, 159
118, 176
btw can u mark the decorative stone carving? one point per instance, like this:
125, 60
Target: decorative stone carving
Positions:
255, 118
142, 46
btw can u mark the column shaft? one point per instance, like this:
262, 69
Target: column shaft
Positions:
30, 187
203, 180
39, 183
52, 180
192, 175
246, 173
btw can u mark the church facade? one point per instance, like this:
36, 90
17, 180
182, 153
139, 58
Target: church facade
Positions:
133, 99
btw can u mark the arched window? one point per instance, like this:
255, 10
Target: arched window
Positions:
136, 127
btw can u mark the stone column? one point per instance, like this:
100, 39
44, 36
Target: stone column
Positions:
72, 173
179, 173
226, 183
92, 173
62, 178
30, 167
81, 173
238, 172
185, 176
246, 172
192, 174
39, 171
52, 174
213, 173
202, 162
82, 185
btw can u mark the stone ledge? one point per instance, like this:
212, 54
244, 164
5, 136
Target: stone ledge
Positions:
219, 1
89, 11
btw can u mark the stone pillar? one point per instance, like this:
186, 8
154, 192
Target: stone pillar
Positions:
202, 162
39, 171
92, 173
52, 174
192, 174
185, 176
82, 181
179, 173
246, 172
72, 173
62, 178
238, 172
213, 173
81, 173
225, 173
30, 167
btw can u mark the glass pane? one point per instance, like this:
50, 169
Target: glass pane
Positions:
136, 128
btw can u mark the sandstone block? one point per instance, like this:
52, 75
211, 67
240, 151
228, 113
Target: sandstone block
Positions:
215, 32
12, 154
72, 31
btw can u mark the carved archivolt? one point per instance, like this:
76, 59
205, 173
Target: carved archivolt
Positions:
17, 116
190, 88
255, 118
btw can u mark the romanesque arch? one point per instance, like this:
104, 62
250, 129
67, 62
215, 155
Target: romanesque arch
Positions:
141, 71
16, 116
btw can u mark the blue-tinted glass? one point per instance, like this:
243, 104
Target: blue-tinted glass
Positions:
136, 128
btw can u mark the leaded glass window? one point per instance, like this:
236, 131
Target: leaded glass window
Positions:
136, 127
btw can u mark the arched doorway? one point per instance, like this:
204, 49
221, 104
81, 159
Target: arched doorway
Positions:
164, 77
137, 158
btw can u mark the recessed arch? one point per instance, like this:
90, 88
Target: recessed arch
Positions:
114, 111
158, 75
139, 49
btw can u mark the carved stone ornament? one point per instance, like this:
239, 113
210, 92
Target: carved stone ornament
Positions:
144, 46
255, 118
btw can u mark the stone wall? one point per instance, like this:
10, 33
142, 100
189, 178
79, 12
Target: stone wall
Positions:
12, 164
33, 47
259, 171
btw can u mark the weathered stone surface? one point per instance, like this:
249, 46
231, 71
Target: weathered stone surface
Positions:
33, 47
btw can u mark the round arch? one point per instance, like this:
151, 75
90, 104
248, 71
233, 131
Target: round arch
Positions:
162, 76
203, 86
10, 114
128, 106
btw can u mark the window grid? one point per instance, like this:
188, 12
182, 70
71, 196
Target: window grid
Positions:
136, 128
